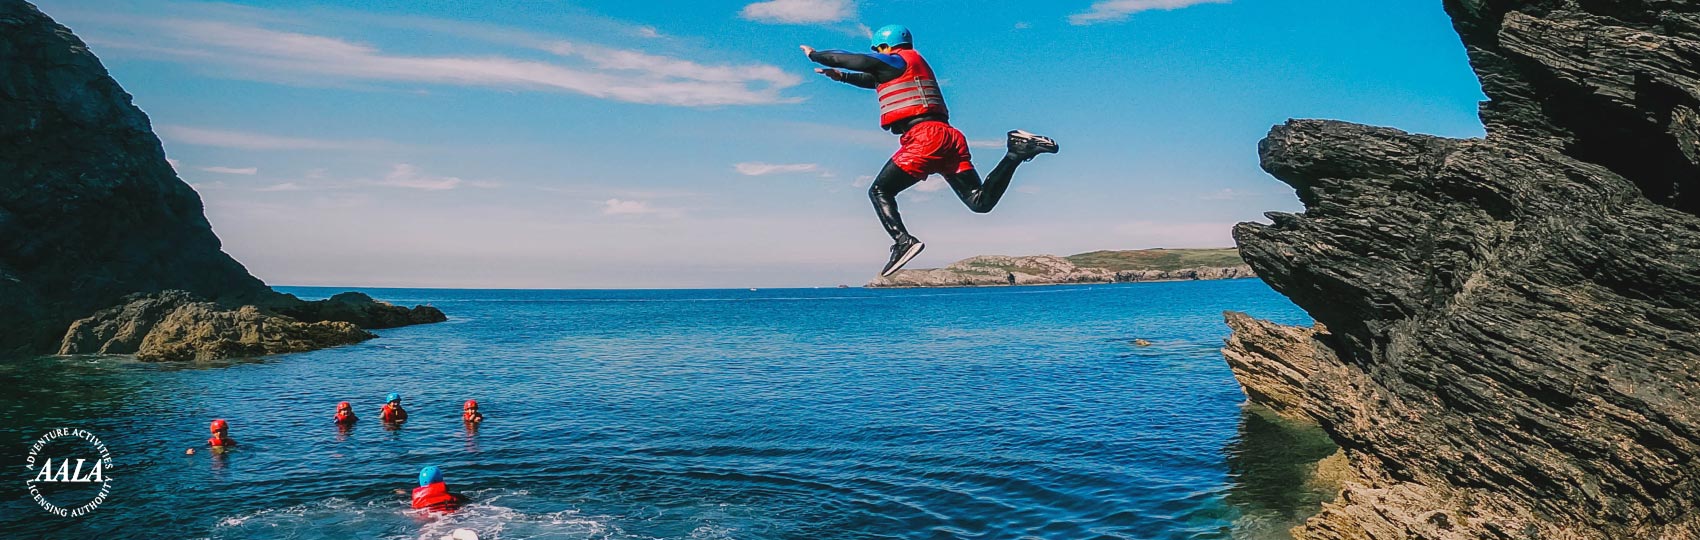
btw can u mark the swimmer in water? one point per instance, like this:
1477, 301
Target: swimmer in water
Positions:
469, 412
393, 413
432, 493
220, 435
345, 414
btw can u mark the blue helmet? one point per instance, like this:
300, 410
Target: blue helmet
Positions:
892, 35
430, 475
393, 397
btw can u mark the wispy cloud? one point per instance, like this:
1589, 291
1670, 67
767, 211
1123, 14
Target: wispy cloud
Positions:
1224, 194
623, 207
1106, 11
407, 176
259, 141
286, 186
800, 11
251, 51
756, 168
250, 171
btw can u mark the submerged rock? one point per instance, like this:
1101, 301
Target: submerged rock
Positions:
91, 213
1513, 323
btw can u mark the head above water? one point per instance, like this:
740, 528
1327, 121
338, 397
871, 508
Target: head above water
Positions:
219, 425
471, 404
892, 36
343, 406
430, 475
393, 398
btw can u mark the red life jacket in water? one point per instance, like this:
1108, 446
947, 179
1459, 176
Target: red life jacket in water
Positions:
345, 418
433, 494
216, 440
393, 414
914, 93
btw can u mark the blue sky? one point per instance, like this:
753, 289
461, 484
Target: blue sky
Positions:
689, 144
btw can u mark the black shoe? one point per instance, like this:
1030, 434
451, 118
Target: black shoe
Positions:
1027, 145
901, 252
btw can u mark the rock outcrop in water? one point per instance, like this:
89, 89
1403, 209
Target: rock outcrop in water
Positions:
1513, 323
1094, 267
91, 212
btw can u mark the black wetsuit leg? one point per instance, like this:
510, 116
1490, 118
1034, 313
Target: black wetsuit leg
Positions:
981, 197
891, 181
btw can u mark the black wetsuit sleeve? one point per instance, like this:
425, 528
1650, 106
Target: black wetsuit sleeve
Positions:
871, 71
863, 80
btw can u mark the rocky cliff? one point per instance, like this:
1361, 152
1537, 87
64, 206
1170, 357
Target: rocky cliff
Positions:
1094, 267
90, 211
1512, 345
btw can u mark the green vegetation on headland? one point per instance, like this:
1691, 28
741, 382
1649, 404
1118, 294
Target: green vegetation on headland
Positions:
1094, 267
1158, 259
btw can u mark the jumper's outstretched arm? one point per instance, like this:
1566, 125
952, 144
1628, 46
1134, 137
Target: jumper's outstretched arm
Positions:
866, 70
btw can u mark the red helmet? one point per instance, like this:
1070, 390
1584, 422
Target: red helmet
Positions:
470, 404
219, 425
343, 405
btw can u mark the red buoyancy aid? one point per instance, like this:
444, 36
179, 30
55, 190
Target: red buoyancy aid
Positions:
914, 93
393, 414
433, 494
345, 418
216, 440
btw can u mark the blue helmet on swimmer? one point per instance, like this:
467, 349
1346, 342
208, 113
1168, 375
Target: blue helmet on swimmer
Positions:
892, 35
392, 398
430, 475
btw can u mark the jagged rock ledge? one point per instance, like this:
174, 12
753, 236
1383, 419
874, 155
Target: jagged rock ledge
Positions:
1513, 323
1094, 267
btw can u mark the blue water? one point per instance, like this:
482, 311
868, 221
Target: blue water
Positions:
818, 413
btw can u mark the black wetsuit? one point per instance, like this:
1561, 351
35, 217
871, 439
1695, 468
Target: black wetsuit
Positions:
870, 71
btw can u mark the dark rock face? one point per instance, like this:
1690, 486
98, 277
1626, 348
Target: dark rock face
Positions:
91, 213
89, 209
1514, 321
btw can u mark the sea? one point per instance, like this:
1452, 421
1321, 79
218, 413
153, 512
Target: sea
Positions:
832, 413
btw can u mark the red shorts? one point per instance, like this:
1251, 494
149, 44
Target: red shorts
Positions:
932, 147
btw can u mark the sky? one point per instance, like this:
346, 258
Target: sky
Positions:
642, 144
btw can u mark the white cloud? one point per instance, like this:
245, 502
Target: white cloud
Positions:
258, 141
988, 143
623, 207
648, 32
1118, 10
1022, 25
250, 51
756, 168
800, 11
286, 186
407, 176
250, 171
863, 181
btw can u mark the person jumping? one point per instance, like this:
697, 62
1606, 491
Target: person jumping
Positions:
912, 106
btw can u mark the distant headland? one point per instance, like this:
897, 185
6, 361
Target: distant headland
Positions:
1093, 267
